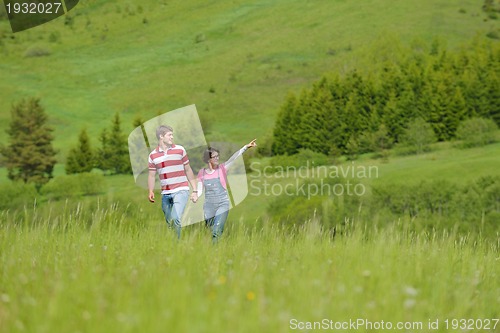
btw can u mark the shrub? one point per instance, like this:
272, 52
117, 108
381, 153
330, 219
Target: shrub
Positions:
54, 37
493, 34
200, 38
304, 158
265, 145
476, 132
91, 183
417, 137
72, 186
37, 51
295, 210
16, 194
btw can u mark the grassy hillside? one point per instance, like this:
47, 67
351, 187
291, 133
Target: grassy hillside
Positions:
236, 61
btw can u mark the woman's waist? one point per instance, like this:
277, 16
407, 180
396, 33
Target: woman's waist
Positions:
215, 198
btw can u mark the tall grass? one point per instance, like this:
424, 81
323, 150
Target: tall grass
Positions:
65, 272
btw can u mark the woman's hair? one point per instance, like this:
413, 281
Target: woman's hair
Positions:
207, 155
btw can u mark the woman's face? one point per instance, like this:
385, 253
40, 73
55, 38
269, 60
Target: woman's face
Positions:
214, 160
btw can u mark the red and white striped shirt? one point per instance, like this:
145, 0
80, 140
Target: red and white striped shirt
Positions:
170, 168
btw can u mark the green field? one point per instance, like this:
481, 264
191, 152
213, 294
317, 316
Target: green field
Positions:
108, 263
113, 276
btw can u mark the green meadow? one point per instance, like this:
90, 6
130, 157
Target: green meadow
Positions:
106, 262
113, 276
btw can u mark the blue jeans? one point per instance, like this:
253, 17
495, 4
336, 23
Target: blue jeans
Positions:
173, 205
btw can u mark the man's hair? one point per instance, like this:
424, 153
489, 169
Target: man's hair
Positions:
162, 130
207, 155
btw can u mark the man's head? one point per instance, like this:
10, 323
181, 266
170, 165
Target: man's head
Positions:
165, 134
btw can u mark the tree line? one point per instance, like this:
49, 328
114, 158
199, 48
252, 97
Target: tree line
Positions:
30, 157
432, 89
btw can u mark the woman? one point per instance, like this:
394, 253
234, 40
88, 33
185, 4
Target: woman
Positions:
213, 179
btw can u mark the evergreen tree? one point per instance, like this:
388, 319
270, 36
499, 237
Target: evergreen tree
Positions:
492, 82
352, 148
113, 155
438, 86
455, 113
285, 131
105, 153
314, 130
438, 100
80, 158
350, 121
29, 155
394, 118
381, 139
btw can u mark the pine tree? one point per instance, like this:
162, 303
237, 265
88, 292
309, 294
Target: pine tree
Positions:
113, 155
394, 119
438, 98
105, 152
80, 158
492, 82
29, 155
455, 113
313, 128
285, 130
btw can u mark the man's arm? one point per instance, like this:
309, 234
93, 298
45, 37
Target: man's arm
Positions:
192, 180
151, 185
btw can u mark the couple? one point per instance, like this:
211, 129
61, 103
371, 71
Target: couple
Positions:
171, 163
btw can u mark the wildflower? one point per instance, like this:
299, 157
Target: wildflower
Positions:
250, 295
222, 279
410, 291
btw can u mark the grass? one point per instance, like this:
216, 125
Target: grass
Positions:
252, 55
109, 276
108, 263
458, 166
445, 162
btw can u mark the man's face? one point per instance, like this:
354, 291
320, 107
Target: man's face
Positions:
168, 138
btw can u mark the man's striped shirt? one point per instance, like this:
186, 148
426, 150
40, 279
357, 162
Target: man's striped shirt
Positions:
170, 168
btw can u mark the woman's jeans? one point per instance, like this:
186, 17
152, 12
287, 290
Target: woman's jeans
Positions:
173, 205
215, 217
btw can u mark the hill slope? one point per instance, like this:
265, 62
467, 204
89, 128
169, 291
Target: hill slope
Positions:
236, 61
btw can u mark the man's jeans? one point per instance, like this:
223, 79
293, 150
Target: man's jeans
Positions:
173, 205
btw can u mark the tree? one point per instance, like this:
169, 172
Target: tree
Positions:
418, 136
285, 129
313, 129
394, 118
113, 155
29, 155
80, 158
381, 140
476, 132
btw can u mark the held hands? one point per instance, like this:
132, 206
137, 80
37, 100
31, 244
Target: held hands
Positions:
194, 197
252, 144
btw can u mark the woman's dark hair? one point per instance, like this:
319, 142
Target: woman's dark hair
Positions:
207, 155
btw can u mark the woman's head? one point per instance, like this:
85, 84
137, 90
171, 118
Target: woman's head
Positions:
211, 155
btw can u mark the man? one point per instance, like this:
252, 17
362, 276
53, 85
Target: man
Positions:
172, 164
